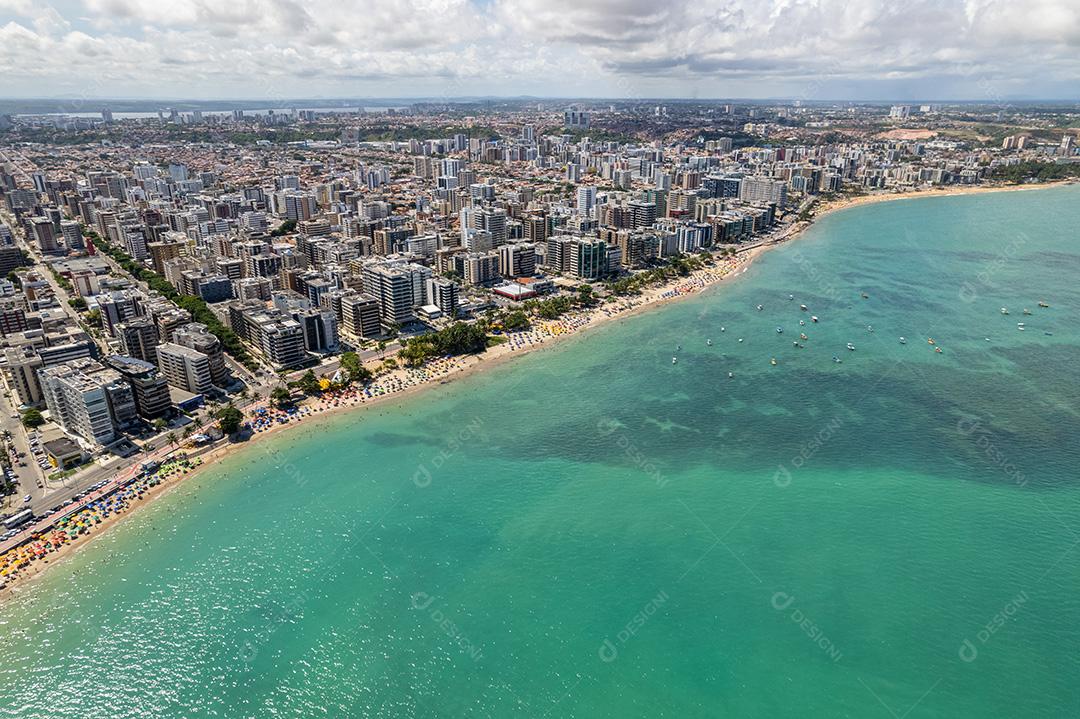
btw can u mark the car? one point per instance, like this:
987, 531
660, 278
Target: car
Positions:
26, 499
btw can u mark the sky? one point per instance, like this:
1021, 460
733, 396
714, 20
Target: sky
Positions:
981, 50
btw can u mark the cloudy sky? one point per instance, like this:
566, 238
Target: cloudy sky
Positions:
814, 49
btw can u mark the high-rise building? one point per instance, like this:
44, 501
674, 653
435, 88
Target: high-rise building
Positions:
138, 338
517, 260
588, 258
72, 233
443, 293
576, 119
586, 199
41, 228
360, 316
763, 189
148, 385
185, 368
399, 289
643, 213
196, 336
493, 220
87, 400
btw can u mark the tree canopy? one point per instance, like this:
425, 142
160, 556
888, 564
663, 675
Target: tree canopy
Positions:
229, 419
32, 418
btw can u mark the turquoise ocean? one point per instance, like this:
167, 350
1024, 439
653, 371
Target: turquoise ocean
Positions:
594, 531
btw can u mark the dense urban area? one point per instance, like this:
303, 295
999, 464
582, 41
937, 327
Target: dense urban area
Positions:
175, 280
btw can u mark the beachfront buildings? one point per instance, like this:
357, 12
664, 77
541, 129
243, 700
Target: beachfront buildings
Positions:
148, 385
88, 400
399, 289
300, 253
185, 368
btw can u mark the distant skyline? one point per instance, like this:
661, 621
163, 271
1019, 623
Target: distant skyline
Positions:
975, 50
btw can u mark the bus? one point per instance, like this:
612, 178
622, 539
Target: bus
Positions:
18, 519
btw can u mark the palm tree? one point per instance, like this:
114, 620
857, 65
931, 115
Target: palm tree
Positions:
171, 437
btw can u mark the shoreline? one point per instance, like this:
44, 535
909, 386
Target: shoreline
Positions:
402, 384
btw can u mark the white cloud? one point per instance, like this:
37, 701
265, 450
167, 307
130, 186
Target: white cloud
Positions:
204, 48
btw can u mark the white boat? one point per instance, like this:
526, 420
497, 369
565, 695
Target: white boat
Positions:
836, 359
723, 329
802, 307
674, 360
869, 328
802, 323
1020, 326
779, 330
813, 318
708, 342
1004, 310
851, 346
731, 375
740, 339
903, 341
791, 297
760, 308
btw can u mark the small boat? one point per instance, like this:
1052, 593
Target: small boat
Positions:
723, 329
851, 346
678, 348
1027, 311
740, 339
865, 296
674, 360
731, 375
869, 328
779, 330
760, 308
903, 340
802, 307
836, 359
1048, 334
773, 361
929, 340
796, 344
802, 336
1004, 310
1043, 304
708, 342
813, 318
1020, 326
802, 323
791, 297
938, 350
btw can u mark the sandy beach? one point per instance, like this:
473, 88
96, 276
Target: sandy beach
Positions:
400, 383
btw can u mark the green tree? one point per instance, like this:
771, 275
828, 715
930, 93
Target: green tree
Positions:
229, 419
515, 321
171, 438
286, 227
354, 368
308, 383
280, 397
32, 418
